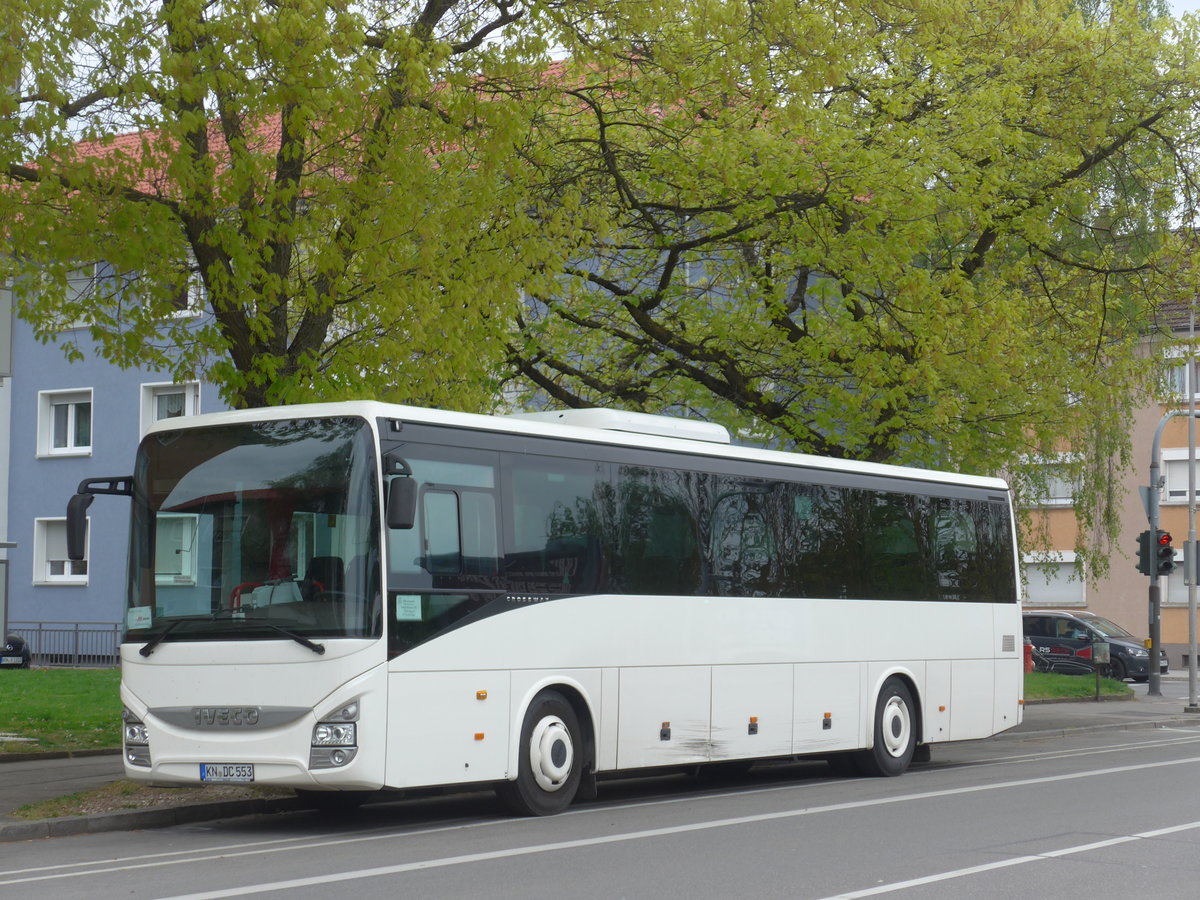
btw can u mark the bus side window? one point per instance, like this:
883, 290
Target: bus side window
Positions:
556, 530
442, 530
955, 548
742, 555
894, 543
456, 537
480, 541
659, 549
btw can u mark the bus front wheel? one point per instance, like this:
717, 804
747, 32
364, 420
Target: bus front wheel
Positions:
550, 760
895, 732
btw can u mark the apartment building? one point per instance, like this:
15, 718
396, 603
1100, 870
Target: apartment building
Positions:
1122, 595
60, 423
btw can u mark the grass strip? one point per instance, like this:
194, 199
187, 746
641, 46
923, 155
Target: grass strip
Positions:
1049, 686
59, 709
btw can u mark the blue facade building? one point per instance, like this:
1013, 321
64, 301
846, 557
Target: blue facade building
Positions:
63, 422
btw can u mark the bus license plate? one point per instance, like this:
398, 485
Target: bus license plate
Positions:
226, 772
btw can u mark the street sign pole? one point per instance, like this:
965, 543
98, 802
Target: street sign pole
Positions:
1189, 548
1154, 594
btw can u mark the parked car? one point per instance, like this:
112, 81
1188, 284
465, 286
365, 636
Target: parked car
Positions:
15, 652
1063, 642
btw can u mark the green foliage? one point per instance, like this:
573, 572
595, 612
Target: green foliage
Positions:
339, 180
927, 233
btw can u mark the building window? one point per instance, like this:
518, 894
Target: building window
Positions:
1182, 375
169, 401
1060, 481
1051, 580
1175, 472
175, 549
190, 294
77, 295
1174, 586
50, 562
64, 423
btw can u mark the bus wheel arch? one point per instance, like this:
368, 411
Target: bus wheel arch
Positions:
896, 729
555, 755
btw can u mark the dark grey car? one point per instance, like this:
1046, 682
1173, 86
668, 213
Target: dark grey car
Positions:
1063, 641
14, 652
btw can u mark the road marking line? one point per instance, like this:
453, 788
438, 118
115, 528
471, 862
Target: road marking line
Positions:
278, 845
1005, 863
285, 845
467, 859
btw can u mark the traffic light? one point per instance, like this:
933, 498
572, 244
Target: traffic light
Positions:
1145, 560
1164, 553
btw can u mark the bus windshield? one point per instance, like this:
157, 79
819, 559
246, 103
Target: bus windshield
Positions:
262, 530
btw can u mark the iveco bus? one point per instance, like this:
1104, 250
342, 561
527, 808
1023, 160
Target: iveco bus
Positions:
346, 598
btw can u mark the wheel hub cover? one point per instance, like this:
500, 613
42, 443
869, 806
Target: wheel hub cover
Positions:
551, 753
896, 726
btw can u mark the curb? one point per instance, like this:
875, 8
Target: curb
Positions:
18, 756
1063, 730
1103, 698
134, 819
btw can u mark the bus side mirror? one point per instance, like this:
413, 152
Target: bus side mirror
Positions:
402, 503
78, 504
77, 525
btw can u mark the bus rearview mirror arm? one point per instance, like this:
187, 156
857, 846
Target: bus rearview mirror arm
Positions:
402, 492
78, 505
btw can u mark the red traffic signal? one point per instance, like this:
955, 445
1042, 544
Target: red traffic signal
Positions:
1164, 554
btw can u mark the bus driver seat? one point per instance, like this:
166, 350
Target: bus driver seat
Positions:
325, 573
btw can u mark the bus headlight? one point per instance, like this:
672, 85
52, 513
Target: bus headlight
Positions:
334, 734
335, 738
137, 740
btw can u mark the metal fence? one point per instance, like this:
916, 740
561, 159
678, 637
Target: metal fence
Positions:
70, 644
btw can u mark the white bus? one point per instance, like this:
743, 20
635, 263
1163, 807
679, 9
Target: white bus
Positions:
352, 597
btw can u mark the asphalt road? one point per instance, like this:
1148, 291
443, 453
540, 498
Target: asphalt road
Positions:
1050, 813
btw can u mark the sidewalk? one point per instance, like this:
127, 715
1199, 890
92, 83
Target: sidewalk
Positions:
1053, 717
34, 780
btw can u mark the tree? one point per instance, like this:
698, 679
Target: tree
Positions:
336, 177
926, 232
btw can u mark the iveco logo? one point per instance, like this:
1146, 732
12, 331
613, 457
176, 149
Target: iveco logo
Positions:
225, 716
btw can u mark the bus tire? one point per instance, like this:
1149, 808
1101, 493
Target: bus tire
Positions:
895, 732
549, 761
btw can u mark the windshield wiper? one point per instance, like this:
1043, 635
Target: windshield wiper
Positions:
161, 636
300, 639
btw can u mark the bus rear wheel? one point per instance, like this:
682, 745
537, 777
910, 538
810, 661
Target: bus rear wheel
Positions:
549, 764
895, 732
